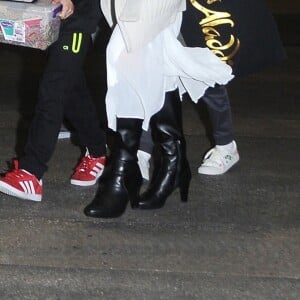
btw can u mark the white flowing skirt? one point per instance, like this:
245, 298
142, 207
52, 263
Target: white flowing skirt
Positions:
137, 81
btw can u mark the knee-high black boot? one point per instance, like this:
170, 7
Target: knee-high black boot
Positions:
122, 178
173, 170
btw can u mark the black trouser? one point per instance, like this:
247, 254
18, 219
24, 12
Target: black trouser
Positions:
218, 106
63, 93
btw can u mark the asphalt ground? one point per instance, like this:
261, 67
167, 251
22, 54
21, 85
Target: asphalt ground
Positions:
236, 238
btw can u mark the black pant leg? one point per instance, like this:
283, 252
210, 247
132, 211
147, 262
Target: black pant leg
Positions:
81, 112
219, 109
64, 66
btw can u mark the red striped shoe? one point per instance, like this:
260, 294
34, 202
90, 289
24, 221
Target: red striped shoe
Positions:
21, 184
88, 170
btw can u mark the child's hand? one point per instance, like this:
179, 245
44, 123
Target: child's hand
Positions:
67, 8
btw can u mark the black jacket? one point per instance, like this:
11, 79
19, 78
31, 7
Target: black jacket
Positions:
248, 24
85, 18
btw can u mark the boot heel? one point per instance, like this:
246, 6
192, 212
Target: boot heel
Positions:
184, 189
134, 201
134, 194
134, 198
184, 183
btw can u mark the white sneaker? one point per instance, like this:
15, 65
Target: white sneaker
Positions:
144, 163
217, 161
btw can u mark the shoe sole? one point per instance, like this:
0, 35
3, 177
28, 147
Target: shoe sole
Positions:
83, 183
8, 190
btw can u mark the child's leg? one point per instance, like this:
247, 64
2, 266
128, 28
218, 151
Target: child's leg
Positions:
81, 112
224, 155
219, 109
64, 67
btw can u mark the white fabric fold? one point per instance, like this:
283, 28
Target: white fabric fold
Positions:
138, 80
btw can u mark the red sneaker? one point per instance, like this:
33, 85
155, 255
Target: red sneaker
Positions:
88, 170
21, 184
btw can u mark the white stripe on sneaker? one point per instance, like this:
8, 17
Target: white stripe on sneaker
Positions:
100, 166
27, 187
22, 184
96, 170
32, 187
93, 173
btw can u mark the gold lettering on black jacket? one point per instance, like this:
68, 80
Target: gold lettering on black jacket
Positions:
210, 25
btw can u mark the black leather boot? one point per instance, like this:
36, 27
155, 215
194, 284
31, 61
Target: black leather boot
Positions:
173, 169
121, 179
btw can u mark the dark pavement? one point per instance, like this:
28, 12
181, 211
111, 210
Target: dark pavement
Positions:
238, 237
